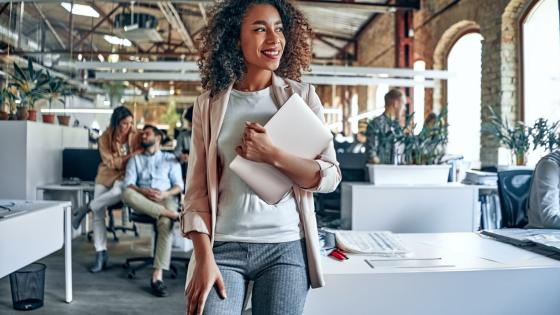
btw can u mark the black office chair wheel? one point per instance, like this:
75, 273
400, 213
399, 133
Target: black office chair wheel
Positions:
131, 274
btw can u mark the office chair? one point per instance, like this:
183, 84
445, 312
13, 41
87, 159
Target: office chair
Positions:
146, 261
353, 169
111, 227
513, 189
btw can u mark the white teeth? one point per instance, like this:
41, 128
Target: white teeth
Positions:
271, 53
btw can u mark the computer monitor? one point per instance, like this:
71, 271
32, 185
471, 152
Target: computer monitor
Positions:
352, 166
80, 163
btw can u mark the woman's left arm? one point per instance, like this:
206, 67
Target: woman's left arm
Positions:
319, 175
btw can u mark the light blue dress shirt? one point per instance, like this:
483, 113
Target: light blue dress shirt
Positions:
159, 171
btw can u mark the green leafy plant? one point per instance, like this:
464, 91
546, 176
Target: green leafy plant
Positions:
30, 84
516, 138
520, 138
56, 89
428, 146
425, 148
8, 96
546, 135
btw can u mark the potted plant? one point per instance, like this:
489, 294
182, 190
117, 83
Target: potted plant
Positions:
404, 157
546, 136
7, 103
516, 138
29, 84
64, 119
55, 91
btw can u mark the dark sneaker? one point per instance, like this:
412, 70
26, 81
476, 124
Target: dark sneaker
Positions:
159, 288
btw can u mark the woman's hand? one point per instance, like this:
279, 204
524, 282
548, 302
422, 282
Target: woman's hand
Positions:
256, 144
206, 275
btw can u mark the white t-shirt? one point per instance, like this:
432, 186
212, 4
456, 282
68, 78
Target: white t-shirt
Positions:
242, 215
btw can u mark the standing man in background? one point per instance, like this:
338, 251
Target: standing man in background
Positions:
379, 152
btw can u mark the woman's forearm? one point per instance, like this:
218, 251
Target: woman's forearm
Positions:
303, 172
201, 245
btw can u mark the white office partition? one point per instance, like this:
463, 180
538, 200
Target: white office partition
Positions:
31, 155
410, 208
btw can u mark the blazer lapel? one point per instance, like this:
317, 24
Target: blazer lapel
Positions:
280, 90
217, 112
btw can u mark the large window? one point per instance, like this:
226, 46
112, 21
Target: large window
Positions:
541, 65
463, 97
419, 93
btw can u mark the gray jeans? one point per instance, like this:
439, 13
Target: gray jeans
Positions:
278, 271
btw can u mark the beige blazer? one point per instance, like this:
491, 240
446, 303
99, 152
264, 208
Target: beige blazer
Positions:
112, 166
203, 174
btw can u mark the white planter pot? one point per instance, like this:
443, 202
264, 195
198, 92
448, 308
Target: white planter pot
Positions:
381, 174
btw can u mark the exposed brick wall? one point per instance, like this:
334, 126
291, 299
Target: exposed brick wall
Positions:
436, 28
376, 44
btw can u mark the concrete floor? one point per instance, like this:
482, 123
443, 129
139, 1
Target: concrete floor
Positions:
108, 292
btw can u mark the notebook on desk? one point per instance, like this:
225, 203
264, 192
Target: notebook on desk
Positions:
295, 129
544, 239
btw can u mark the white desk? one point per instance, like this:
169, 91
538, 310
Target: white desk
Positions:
79, 195
444, 208
35, 233
488, 278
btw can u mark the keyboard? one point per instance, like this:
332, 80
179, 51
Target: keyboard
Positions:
375, 243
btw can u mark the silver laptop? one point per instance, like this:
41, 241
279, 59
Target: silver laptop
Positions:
295, 129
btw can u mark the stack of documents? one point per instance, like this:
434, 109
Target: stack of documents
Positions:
542, 239
481, 178
373, 243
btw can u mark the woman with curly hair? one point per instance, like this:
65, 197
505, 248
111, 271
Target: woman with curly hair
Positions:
252, 56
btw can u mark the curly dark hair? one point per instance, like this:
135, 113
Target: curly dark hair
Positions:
221, 61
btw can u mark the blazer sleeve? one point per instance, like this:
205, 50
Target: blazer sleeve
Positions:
196, 212
112, 161
330, 170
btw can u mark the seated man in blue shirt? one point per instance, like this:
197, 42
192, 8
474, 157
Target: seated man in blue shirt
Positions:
154, 181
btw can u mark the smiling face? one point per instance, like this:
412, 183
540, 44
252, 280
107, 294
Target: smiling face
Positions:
125, 125
262, 38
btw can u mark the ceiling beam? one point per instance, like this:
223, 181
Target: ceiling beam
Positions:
346, 39
174, 19
107, 52
111, 22
49, 25
378, 7
326, 42
94, 28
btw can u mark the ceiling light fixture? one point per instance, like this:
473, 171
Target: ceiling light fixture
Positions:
117, 40
80, 9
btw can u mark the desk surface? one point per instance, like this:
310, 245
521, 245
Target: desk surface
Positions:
465, 251
87, 186
487, 278
27, 206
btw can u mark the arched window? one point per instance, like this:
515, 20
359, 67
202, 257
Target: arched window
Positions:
540, 33
463, 96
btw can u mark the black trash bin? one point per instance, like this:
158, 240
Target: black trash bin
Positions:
28, 287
